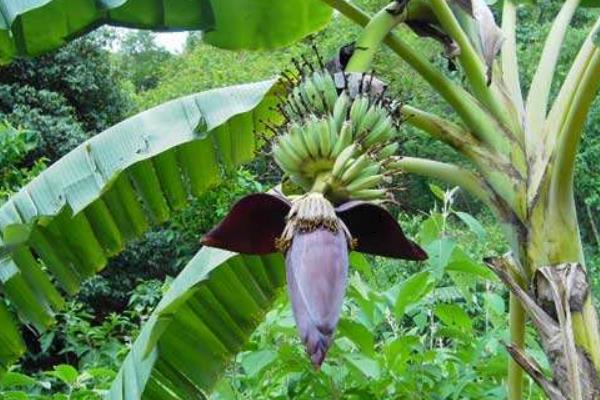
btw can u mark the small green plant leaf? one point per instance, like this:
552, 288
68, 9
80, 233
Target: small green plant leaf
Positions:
366, 365
254, 362
437, 191
475, 226
361, 264
14, 379
440, 252
65, 373
359, 334
431, 229
412, 290
454, 317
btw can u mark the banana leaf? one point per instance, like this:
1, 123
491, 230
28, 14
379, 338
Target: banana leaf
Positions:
33, 27
64, 225
201, 323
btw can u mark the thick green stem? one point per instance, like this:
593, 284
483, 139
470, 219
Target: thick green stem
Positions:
321, 183
557, 114
517, 319
448, 173
510, 65
510, 71
537, 98
475, 69
376, 30
442, 129
568, 140
469, 59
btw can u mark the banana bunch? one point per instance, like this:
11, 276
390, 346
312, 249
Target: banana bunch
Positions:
315, 95
332, 138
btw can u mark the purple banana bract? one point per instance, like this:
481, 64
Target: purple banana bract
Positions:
316, 239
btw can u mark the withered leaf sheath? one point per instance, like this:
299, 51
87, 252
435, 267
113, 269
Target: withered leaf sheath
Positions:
315, 239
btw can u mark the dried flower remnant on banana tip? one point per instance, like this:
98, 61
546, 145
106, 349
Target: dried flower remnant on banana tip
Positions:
337, 139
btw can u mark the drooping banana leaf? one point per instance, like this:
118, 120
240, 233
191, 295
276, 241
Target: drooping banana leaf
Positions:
203, 321
63, 226
32, 27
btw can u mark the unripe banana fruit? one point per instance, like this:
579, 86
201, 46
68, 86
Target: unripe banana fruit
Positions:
335, 139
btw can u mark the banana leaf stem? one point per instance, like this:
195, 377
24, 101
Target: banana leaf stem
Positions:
510, 65
570, 135
373, 34
448, 173
475, 70
537, 98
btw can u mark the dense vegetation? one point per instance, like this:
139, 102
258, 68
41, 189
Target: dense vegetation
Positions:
433, 330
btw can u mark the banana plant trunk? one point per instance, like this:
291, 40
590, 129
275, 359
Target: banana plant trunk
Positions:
549, 283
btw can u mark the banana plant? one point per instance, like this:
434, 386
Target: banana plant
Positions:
521, 150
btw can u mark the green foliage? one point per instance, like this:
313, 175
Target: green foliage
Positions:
535, 26
66, 96
64, 381
95, 349
139, 59
15, 148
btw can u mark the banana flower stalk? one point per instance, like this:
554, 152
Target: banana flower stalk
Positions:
315, 238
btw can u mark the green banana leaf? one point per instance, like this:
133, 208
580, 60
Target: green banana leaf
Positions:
202, 322
63, 226
33, 27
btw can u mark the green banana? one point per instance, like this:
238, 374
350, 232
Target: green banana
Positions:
299, 101
328, 89
324, 138
341, 160
364, 183
380, 132
313, 96
369, 194
344, 139
295, 134
340, 109
372, 169
286, 144
389, 150
355, 168
333, 134
372, 117
358, 111
318, 81
284, 148
311, 137
285, 162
